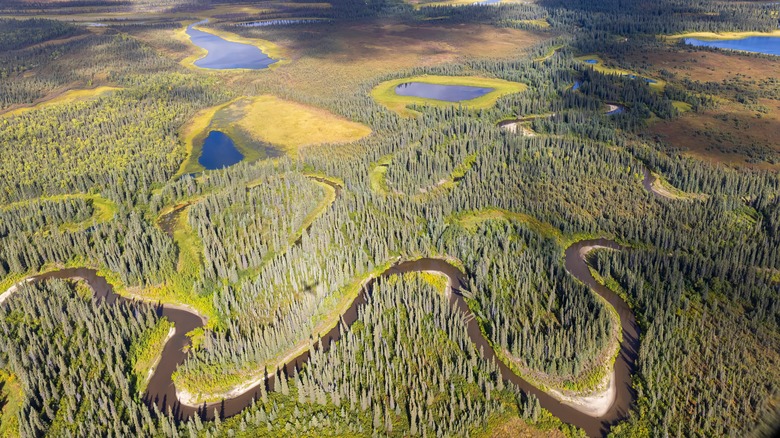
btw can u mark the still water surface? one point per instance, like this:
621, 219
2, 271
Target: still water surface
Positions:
219, 151
224, 54
757, 44
448, 93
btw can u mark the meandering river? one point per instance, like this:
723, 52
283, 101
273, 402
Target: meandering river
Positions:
162, 392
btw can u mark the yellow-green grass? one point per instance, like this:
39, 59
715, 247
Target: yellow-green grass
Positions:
104, 209
471, 220
11, 400
439, 281
273, 50
713, 36
377, 174
329, 316
66, 97
682, 107
177, 289
600, 67
385, 94
192, 135
146, 352
538, 22
291, 125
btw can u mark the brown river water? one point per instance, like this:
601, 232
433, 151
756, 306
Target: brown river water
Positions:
161, 390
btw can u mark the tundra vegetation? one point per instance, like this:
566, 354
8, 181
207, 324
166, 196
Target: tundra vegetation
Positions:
271, 249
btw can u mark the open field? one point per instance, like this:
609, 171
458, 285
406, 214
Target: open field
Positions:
332, 61
729, 134
732, 132
291, 125
385, 94
97, 13
61, 98
328, 61
708, 66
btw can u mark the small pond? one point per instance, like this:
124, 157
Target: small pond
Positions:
591, 61
447, 93
576, 86
648, 80
758, 44
219, 151
224, 54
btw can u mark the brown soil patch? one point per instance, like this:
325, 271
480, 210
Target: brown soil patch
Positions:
330, 60
730, 134
517, 428
705, 66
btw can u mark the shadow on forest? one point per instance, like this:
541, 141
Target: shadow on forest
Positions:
3, 396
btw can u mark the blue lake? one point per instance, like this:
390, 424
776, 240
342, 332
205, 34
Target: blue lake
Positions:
223, 54
757, 44
219, 151
576, 86
447, 93
591, 61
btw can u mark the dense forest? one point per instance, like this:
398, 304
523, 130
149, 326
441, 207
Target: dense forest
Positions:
74, 357
271, 250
